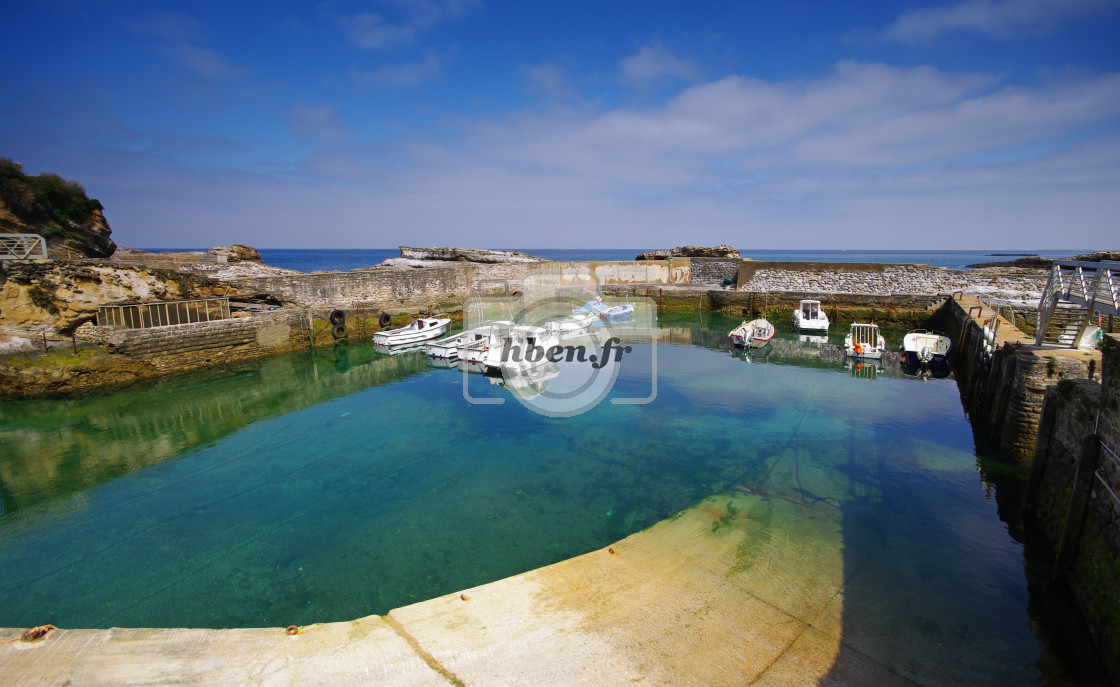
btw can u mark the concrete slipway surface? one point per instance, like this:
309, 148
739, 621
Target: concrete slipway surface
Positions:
714, 596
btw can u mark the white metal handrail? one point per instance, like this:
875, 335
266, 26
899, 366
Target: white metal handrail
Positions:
1097, 292
22, 247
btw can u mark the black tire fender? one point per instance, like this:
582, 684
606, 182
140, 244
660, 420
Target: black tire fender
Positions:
384, 320
338, 317
339, 331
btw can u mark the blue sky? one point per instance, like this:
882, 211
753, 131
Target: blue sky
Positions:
893, 125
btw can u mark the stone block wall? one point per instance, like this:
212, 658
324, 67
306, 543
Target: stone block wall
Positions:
1016, 286
397, 287
713, 270
187, 346
1003, 395
1080, 409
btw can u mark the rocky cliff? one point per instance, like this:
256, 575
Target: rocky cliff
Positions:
723, 251
58, 210
57, 296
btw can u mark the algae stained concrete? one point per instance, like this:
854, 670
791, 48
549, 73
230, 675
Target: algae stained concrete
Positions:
801, 574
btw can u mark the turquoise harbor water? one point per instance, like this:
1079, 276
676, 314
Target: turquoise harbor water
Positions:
309, 488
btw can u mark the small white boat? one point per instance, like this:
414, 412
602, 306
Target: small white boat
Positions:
448, 348
519, 348
582, 318
864, 341
754, 334
921, 347
810, 316
617, 313
476, 351
420, 329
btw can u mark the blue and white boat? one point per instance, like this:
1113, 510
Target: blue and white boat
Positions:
617, 313
582, 319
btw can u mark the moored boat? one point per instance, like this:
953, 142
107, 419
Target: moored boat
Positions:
582, 318
754, 334
922, 347
448, 347
864, 341
810, 316
420, 329
617, 313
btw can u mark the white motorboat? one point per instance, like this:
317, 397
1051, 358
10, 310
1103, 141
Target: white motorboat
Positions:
864, 341
448, 347
519, 348
754, 334
477, 350
420, 329
921, 347
810, 316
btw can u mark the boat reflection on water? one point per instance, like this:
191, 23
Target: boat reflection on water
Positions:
924, 372
753, 355
385, 349
863, 369
811, 340
524, 383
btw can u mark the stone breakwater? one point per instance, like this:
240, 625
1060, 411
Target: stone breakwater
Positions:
1005, 286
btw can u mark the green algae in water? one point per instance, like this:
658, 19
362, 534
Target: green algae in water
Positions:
317, 488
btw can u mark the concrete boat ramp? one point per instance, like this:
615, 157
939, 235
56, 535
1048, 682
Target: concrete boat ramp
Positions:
740, 589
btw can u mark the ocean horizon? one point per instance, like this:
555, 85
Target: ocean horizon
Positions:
346, 259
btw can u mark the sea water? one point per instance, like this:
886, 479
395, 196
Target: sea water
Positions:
327, 486
327, 259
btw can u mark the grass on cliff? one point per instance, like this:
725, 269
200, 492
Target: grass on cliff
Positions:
48, 202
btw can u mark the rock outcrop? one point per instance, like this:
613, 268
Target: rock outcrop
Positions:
73, 224
440, 256
723, 251
58, 296
1099, 256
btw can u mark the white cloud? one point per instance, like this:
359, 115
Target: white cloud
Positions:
997, 18
181, 36
549, 80
406, 74
204, 61
654, 62
319, 126
427, 13
369, 31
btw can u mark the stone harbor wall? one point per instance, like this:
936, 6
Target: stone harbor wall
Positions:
1003, 394
399, 287
185, 346
713, 270
1005, 286
1074, 495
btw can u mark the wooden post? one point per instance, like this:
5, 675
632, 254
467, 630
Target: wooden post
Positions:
44, 342
1078, 503
74, 341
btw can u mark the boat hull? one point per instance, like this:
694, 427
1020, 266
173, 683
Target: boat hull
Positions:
920, 347
412, 334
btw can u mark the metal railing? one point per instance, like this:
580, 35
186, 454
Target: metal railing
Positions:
22, 247
1100, 477
1094, 286
163, 313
